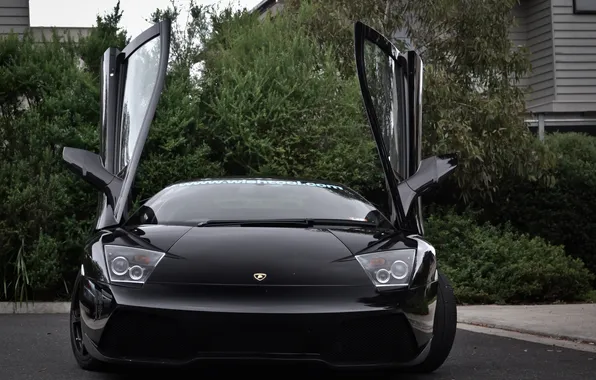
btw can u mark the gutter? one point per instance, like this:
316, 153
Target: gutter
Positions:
562, 122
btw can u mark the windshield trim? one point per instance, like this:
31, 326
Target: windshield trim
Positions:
346, 206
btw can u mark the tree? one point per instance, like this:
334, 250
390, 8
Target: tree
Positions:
47, 103
471, 103
273, 103
271, 97
106, 33
177, 147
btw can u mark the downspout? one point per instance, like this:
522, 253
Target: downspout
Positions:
541, 126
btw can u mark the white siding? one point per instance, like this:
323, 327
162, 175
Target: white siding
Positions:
534, 31
575, 58
47, 32
14, 16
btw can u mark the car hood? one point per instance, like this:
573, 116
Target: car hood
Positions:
233, 255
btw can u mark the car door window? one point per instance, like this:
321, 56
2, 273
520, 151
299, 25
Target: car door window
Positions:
381, 71
141, 78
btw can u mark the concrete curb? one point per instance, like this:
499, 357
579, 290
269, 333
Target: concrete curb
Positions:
570, 322
35, 308
576, 339
553, 342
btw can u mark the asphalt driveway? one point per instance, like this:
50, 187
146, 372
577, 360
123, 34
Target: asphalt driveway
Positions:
34, 346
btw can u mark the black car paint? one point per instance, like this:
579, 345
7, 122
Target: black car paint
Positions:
230, 256
314, 284
114, 67
209, 270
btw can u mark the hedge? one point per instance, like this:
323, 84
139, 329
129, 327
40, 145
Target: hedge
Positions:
262, 107
269, 102
489, 264
44, 213
563, 214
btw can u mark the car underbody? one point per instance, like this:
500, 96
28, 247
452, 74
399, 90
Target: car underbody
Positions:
335, 326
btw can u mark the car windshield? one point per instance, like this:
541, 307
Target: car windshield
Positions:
192, 203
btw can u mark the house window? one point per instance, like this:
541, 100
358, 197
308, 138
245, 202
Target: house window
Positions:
584, 6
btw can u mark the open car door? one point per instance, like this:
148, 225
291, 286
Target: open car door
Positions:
391, 86
131, 85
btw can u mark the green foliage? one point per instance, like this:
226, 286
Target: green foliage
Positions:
106, 33
186, 38
48, 101
487, 264
565, 213
274, 97
40, 230
176, 148
275, 104
471, 105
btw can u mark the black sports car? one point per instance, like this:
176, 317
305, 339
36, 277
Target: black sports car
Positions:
261, 268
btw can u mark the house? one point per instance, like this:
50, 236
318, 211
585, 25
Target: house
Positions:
271, 6
561, 38
14, 17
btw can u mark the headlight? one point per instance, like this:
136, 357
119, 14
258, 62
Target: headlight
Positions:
389, 268
131, 265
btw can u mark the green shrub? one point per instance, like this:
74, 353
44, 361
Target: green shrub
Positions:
176, 147
265, 105
275, 104
468, 106
270, 101
41, 229
489, 264
564, 214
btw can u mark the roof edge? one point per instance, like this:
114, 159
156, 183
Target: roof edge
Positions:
263, 6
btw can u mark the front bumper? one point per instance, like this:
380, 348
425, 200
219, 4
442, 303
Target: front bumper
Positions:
342, 327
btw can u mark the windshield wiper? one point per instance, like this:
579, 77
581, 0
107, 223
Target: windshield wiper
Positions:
288, 223
341, 222
256, 223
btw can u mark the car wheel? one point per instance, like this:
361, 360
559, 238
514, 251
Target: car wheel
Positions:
445, 326
82, 356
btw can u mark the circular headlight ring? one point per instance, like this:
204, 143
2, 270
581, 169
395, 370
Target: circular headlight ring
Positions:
405, 272
380, 276
136, 268
123, 260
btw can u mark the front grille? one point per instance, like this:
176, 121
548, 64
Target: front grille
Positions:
186, 335
384, 338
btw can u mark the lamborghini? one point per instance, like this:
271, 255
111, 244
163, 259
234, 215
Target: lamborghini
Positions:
261, 269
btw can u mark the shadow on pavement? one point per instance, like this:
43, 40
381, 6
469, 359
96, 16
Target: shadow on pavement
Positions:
259, 371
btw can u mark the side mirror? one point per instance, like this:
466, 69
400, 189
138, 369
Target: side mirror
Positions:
89, 167
432, 171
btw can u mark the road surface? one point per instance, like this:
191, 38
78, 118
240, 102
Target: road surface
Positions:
37, 347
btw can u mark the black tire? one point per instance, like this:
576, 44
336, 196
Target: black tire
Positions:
83, 358
445, 327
